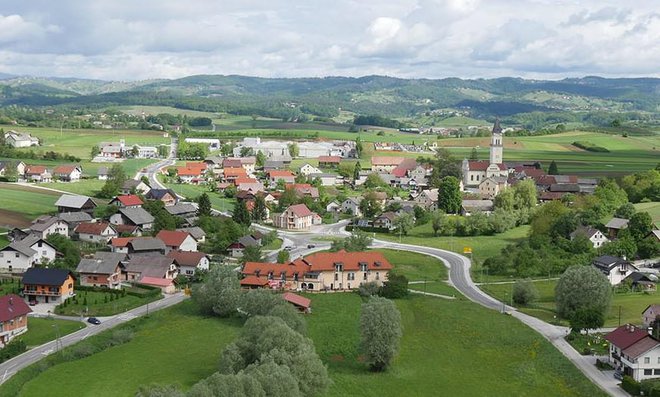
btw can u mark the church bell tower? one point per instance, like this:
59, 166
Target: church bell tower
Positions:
496, 144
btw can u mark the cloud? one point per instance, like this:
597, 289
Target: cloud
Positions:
127, 40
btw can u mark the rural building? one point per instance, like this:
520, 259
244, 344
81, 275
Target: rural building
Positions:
352, 206
155, 266
47, 285
594, 235
21, 255
385, 164
427, 199
650, 314
20, 139
190, 262
614, 268
167, 196
634, 352
127, 201
103, 270
329, 161
296, 217
112, 150
75, 203
67, 173
38, 173
73, 219
46, 224
236, 249
468, 207
196, 232
13, 318
133, 186
120, 244
308, 169
492, 186
284, 175
299, 302
133, 216
146, 245
385, 220
615, 225
274, 165
12, 169
177, 241
102, 173
96, 232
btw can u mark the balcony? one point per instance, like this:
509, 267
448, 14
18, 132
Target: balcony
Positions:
41, 293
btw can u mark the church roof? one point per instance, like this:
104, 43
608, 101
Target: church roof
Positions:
497, 129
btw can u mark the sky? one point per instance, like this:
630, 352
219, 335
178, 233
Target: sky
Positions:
147, 39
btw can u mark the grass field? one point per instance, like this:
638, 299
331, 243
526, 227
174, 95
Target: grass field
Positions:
42, 330
653, 208
21, 204
192, 191
176, 345
631, 304
97, 305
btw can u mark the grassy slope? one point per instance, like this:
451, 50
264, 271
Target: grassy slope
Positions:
652, 208
28, 201
192, 191
42, 330
446, 349
176, 345
97, 306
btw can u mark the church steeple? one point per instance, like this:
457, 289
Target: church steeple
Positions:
497, 129
496, 143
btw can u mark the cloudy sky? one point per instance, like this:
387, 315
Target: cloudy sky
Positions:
143, 39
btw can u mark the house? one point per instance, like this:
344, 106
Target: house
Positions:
301, 303
146, 245
633, 352
384, 164
12, 169
128, 230
236, 249
47, 285
177, 241
329, 161
404, 167
13, 317
120, 244
592, 234
333, 207
492, 186
251, 282
23, 254
320, 271
274, 165
249, 163
46, 224
156, 266
641, 281
193, 175
103, 270
650, 314
38, 173
304, 190
230, 174
296, 217
67, 173
167, 196
166, 285
102, 173
614, 268
184, 210
96, 232
190, 262
146, 152
427, 199
352, 206
275, 175
133, 216
385, 220
468, 207
16, 234
308, 169
133, 186
112, 150
20, 139
615, 225
127, 201
73, 219
196, 232
75, 203
328, 179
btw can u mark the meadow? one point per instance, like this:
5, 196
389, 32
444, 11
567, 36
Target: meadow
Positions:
44, 329
653, 208
21, 204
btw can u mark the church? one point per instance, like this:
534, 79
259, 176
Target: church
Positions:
477, 171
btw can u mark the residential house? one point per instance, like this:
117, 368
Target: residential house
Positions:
196, 232
594, 235
146, 246
615, 225
321, 271
38, 173
16, 234
249, 163
304, 190
112, 150
46, 224
133, 216
133, 186
385, 164
75, 203
230, 174
13, 318
296, 217
329, 161
177, 241
47, 285
352, 206
120, 244
275, 175
128, 230
328, 179
468, 207
23, 254
614, 268
155, 266
73, 219
404, 167
427, 199
333, 207
492, 186
650, 314
634, 352
167, 196
190, 262
308, 169
96, 232
127, 201
146, 152
102, 173
12, 169
184, 210
20, 139
103, 270
385, 220
236, 248
193, 175
301, 303
274, 165
67, 173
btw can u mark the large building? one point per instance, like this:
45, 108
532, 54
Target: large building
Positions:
476, 171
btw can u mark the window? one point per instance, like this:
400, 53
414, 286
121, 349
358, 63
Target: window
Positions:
2, 254
647, 360
336, 277
44, 253
656, 372
377, 276
17, 255
365, 276
658, 360
648, 372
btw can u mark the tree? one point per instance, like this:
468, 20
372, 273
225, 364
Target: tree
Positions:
358, 146
438, 220
369, 206
626, 211
220, 293
241, 215
294, 150
70, 253
474, 155
283, 256
204, 203
356, 242
610, 195
259, 210
252, 253
580, 290
380, 332
374, 181
116, 179
356, 171
135, 151
94, 151
261, 159
395, 287
449, 195
553, 170
587, 318
246, 151
524, 292
159, 391
525, 194
640, 225
505, 199
404, 222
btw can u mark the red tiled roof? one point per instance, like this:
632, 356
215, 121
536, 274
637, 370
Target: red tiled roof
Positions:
263, 268
544, 180
12, 306
297, 299
35, 169
186, 258
129, 199
125, 228
482, 165
244, 179
329, 159
185, 171
545, 196
199, 165
95, 228
64, 169
232, 163
158, 282
300, 210
321, 261
254, 280
402, 169
172, 238
279, 173
386, 160
121, 241
626, 335
236, 172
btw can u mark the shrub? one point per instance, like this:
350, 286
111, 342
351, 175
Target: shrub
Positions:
395, 287
368, 289
586, 145
630, 385
524, 292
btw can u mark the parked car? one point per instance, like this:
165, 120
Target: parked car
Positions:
618, 375
288, 248
311, 246
94, 320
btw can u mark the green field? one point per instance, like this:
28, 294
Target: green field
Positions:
192, 191
631, 304
21, 204
652, 208
97, 305
42, 330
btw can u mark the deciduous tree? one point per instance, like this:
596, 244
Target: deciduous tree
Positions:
449, 195
580, 290
380, 332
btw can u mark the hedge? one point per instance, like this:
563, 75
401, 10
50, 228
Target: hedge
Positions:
630, 385
586, 145
97, 289
143, 291
369, 229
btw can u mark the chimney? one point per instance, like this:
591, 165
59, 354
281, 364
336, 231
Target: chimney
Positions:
11, 300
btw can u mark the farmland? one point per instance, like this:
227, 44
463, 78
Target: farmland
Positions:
21, 204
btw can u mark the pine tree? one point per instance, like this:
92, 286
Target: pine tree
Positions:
356, 171
474, 155
241, 214
553, 170
259, 211
204, 203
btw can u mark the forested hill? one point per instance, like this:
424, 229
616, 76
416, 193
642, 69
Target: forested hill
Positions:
634, 98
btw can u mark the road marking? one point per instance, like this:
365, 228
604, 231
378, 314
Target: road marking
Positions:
47, 352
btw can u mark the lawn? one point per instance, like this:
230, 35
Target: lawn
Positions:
175, 345
42, 330
99, 304
631, 304
653, 208
448, 348
274, 245
8, 286
21, 204
85, 187
192, 191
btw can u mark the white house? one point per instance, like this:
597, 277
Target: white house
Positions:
67, 173
594, 235
20, 139
100, 232
492, 186
427, 199
352, 206
634, 352
46, 224
21, 255
308, 169
190, 262
614, 268
177, 240
297, 217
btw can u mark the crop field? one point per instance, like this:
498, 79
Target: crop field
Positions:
653, 208
19, 205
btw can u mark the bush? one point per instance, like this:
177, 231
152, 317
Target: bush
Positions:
12, 349
524, 292
395, 287
650, 387
368, 289
586, 145
630, 385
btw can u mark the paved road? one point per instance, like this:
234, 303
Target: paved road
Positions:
10, 367
153, 169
